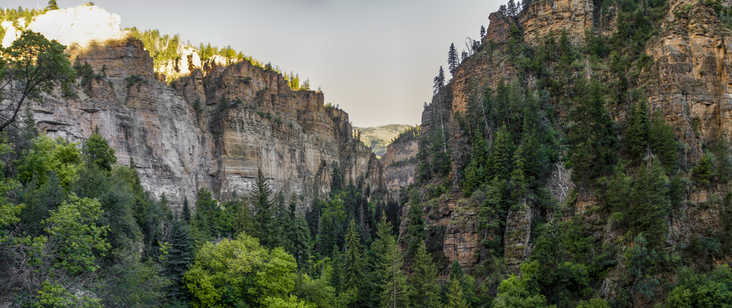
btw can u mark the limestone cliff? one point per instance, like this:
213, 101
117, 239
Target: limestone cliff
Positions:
212, 128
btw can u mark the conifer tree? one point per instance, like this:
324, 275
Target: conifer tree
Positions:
178, 259
500, 162
455, 295
482, 31
636, 135
439, 81
186, 214
663, 142
301, 243
352, 262
396, 290
452, 59
592, 138
423, 282
415, 233
377, 258
266, 230
475, 173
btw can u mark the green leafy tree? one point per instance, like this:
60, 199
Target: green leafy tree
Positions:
36, 65
98, 153
76, 236
47, 156
713, 289
240, 272
520, 292
424, 290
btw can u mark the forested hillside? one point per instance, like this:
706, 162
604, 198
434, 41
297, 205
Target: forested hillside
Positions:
576, 155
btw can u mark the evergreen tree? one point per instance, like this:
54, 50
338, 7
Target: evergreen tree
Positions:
663, 142
376, 267
475, 173
415, 233
178, 260
455, 295
186, 215
352, 262
512, 8
439, 81
452, 59
266, 229
302, 249
396, 290
424, 290
636, 134
500, 161
482, 31
592, 138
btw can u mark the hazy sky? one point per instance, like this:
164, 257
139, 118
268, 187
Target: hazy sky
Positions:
374, 58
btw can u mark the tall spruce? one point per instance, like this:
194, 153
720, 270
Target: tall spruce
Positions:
424, 290
592, 138
178, 260
396, 290
452, 59
264, 216
439, 81
637, 132
415, 233
500, 162
352, 261
376, 266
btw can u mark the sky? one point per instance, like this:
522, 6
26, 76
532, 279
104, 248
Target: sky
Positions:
374, 58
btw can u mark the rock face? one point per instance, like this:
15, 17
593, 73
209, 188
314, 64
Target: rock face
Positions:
690, 81
212, 129
400, 164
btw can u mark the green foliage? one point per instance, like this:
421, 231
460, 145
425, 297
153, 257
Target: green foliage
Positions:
75, 233
637, 133
516, 292
396, 290
713, 289
591, 137
703, 172
264, 211
415, 233
240, 272
37, 65
56, 295
455, 296
424, 290
46, 157
352, 261
98, 153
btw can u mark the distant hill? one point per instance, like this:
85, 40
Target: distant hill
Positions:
379, 137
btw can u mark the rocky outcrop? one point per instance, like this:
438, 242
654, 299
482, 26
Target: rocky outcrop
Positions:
212, 129
400, 164
542, 17
690, 81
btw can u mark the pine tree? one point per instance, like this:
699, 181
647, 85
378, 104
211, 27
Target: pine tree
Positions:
455, 295
663, 142
301, 243
512, 8
178, 259
439, 81
376, 267
636, 135
352, 262
415, 233
482, 31
396, 290
186, 215
592, 138
452, 59
264, 217
423, 282
475, 172
500, 162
